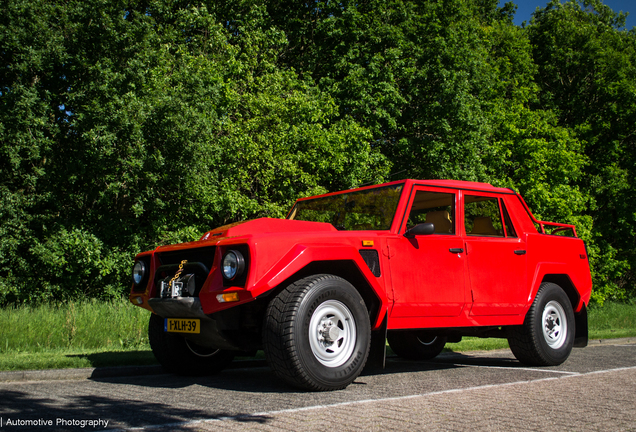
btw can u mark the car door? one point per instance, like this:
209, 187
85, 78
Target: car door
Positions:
427, 271
495, 255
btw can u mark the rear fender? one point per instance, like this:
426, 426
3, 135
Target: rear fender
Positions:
556, 273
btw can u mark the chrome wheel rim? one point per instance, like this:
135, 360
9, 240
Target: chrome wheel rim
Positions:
332, 333
427, 340
555, 325
200, 351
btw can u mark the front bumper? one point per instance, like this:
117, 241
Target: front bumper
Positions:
190, 307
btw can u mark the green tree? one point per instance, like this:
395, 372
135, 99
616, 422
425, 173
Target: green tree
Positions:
586, 67
531, 152
415, 73
127, 124
452, 89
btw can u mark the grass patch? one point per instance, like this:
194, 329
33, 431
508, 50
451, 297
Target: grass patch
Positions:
106, 325
73, 335
477, 344
115, 333
612, 320
64, 359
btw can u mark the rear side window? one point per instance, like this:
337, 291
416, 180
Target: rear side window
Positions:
482, 216
510, 228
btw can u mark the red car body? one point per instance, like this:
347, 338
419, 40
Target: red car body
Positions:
478, 272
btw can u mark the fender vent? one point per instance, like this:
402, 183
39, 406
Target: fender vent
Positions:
371, 257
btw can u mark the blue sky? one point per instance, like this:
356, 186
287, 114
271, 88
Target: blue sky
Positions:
526, 7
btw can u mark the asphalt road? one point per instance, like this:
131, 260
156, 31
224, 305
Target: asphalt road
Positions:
593, 390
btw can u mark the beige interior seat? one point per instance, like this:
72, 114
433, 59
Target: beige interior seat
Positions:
441, 220
483, 226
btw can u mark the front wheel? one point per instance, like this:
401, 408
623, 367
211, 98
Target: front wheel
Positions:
547, 334
317, 333
181, 356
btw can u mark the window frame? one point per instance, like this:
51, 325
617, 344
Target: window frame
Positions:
425, 188
503, 211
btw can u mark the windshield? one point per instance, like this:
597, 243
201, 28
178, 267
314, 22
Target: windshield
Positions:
370, 209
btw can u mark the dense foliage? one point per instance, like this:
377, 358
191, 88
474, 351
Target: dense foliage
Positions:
124, 124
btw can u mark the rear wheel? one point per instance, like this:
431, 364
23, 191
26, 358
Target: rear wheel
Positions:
547, 334
416, 344
181, 356
317, 333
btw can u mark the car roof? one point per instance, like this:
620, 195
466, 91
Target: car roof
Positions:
451, 184
461, 184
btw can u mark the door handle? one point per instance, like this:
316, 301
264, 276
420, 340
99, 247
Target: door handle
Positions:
456, 250
520, 252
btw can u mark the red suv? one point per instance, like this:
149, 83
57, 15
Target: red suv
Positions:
417, 262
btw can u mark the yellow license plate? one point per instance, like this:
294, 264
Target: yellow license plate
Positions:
182, 325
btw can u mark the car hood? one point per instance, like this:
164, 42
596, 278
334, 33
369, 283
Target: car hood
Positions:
267, 226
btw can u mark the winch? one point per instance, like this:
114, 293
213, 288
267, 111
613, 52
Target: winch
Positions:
182, 286
179, 285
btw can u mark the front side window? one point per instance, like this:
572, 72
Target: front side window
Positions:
369, 209
433, 207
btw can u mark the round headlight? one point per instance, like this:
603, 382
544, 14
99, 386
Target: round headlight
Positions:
139, 271
233, 264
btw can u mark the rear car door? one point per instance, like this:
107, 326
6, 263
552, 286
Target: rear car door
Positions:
496, 256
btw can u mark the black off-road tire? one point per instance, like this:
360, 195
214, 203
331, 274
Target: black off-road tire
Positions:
180, 356
416, 344
547, 334
302, 314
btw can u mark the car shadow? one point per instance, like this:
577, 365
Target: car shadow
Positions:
54, 415
490, 358
245, 380
255, 376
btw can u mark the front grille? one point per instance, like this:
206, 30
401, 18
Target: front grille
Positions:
204, 255
197, 268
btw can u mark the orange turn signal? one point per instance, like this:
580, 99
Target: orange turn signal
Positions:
228, 297
367, 242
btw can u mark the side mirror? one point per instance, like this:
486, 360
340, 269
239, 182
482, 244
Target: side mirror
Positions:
420, 229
